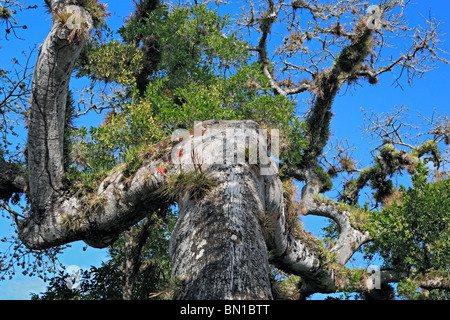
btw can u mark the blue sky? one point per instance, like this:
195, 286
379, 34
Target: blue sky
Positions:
429, 93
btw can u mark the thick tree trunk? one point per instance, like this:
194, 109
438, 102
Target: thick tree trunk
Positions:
217, 248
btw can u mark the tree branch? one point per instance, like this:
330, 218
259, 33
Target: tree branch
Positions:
292, 255
52, 73
350, 238
12, 179
119, 203
132, 250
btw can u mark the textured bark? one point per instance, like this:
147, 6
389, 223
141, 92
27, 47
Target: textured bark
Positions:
350, 239
57, 57
132, 250
217, 247
121, 203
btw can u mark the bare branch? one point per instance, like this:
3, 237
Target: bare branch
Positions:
13, 213
390, 127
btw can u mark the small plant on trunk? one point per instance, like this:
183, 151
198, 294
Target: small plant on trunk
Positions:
196, 183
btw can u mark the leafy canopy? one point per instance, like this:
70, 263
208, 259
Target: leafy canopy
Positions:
200, 74
413, 229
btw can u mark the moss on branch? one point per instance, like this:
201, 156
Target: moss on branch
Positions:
326, 85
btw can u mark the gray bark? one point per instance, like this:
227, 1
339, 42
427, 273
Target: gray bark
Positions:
57, 57
217, 248
132, 254
350, 239
122, 202
118, 205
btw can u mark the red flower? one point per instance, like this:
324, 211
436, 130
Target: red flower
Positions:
161, 170
179, 153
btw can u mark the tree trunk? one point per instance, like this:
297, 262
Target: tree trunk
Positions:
217, 248
131, 265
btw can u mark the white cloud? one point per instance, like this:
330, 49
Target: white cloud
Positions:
20, 288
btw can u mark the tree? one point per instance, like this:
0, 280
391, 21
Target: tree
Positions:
237, 213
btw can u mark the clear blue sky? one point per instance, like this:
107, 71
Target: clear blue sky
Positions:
428, 93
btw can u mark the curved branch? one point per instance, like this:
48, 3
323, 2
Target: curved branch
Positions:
293, 255
119, 203
54, 67
350, 238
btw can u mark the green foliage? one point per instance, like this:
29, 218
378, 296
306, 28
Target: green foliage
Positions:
199, 74
431, 147
96, 284
188, 83
111, 61
413, 229
133, 161
292, 211
284, 286
409, 289
222, 99
353, 54
190, 42
324, 178
97, 11
145, 121
68, 125
119, 139
359, 216
326, 86
387, 162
